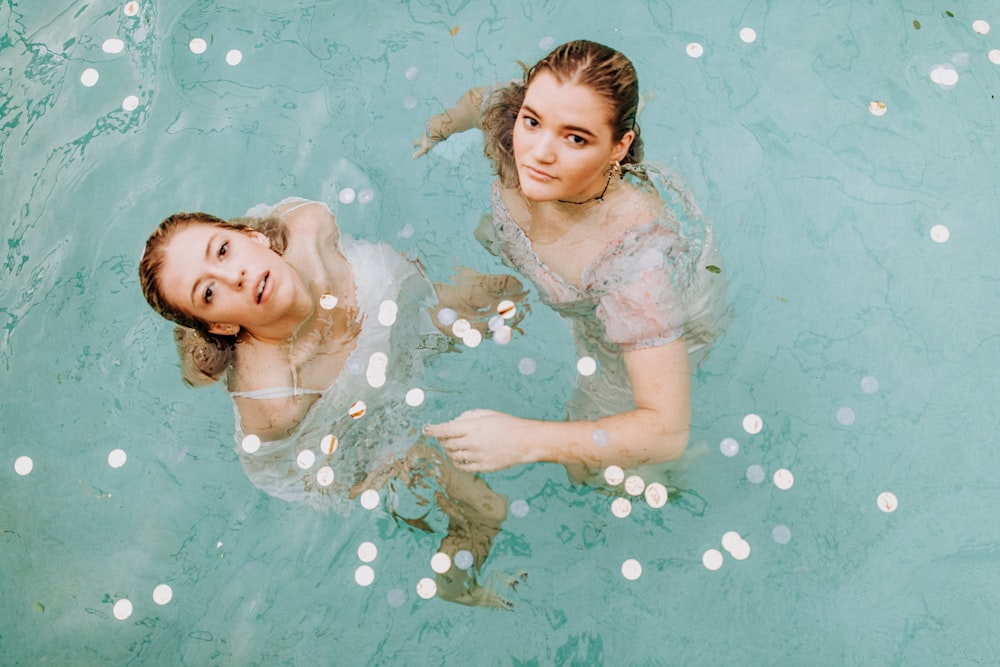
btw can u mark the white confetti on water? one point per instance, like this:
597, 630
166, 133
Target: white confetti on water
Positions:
412, 73
447, 317
869, 384
695, 50
415, 397
586, 366
519, 508
234, 57
614, 475
163, 594
197, 46
130, 103
472, 338
877, 108
980, 27
631, 569
325, 476
546, 43
634, 485
122, 609
503, 335
23, 465
306, 459
748, 35
846, 416
440, 562
940, 233
656, 495
251, 443
427, 588
755, 474
600, 438
463, 559
117, 458
346, 196
526, 366
366, 195
621, 507
409, 102
712, 559
396, 597
945, 76
113, 45
89, 77
370, 499
387, 311
783, 479
781, 534
367, 552
753, 424
131, 8
994, 56
364, 575
729, 447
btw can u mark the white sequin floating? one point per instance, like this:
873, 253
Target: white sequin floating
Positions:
600, 438
877, 108
305, 459
712, 559
396, 597
503, 335
357, 410
440, 562
729, 447
447, 317
506, 309
631, 569
366, 195
695, 50
364, 575
89, 77
130, 103
163, 594
113, 45
634, 485
198, 46
463, 559
748, 35
846, 416
325, 476
23, 465
980, 27
546, 43
117, 458
783, 479
409, 102
614, 475
753, 424
495, 323
387, 311
131, 8
656, 495
377, 365
755, 474
251, 443
427, 588
367, 552
472, 338
411, 73
328, 301
519, 508
869, 384
527, 366
328, 445
586, 366
781, 534
994, 56
741, 551
621, 507
460, 327
940, 233
346, 196
370, 499
122, 609
730, 540
887, 501
234, 57
415, 397
945, 76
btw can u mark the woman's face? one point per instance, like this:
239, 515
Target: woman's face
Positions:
563, 144
229, 278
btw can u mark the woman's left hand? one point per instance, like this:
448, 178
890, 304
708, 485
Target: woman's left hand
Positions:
482, 440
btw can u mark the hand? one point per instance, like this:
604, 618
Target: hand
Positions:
439, 128
424, 145
482, 440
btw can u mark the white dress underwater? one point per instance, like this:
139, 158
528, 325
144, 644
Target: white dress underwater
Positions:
388, 427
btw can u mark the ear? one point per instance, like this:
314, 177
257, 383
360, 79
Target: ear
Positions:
622, 146
224, 329
259, 237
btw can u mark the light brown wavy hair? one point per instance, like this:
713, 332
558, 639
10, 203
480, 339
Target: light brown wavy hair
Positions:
602, 69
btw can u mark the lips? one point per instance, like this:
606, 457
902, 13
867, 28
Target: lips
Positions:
261, 286
538, 174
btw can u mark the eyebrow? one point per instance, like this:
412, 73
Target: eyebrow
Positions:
573, 128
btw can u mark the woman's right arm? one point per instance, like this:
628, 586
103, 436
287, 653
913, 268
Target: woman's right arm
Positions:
463, 116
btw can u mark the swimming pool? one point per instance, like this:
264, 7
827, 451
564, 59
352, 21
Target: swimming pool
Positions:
847, 152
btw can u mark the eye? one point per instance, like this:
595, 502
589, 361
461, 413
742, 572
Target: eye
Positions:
208, 295
576, 140
223, 249
530, 122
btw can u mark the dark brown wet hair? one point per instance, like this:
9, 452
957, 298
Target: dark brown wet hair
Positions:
602, 69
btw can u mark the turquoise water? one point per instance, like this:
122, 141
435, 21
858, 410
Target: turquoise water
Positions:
863, 283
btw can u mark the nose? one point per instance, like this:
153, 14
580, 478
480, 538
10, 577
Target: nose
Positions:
543, 150
234, 277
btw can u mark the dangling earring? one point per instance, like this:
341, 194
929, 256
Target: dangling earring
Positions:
616, 169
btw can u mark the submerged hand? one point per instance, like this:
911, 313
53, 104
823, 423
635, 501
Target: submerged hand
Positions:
482, 440
424, 145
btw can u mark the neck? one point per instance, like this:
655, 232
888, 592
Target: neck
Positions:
597, 197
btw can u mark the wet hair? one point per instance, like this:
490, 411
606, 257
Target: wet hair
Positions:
602, 69
205, 356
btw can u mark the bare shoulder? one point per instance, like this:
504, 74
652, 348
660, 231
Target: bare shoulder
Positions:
311, 222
